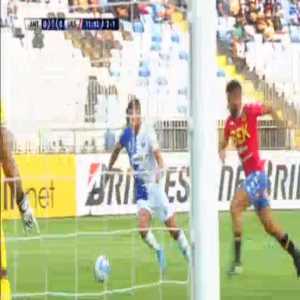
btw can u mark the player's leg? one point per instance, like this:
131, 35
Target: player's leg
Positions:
11, 172
166, 214
272, 228
5, 293
144, 220
238, 206
179, 236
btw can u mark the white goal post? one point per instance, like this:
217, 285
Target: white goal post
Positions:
204, 159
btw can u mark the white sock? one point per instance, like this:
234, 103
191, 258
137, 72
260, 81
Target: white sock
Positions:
184, 245
151, 241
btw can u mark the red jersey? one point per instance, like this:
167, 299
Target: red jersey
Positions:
243, 131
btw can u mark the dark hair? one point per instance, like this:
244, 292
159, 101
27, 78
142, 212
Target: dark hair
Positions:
233, 85
134, 103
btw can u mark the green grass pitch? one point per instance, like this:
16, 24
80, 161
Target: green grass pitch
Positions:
56, 263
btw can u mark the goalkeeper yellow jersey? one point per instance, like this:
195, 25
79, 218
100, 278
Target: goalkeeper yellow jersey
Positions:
5, 293
2, 113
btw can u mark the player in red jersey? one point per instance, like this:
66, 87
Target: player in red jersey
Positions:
241, 127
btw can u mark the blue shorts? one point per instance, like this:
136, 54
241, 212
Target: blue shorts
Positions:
256, 185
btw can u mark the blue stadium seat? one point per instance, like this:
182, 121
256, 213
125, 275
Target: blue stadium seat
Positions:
138, 27
295, 34
183, 55
156, 46
175, 38
144, 71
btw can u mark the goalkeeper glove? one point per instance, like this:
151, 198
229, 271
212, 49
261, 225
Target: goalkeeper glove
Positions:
28, 219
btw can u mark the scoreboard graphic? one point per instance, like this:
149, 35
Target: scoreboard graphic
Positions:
63, 24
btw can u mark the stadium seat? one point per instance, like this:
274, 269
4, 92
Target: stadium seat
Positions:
138, 27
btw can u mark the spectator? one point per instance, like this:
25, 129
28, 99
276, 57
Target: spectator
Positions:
269, 31
268, 6
277, 17
223, 8
261, 23
234, 7
239, 29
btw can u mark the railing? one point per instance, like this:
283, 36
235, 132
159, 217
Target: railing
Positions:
279, 101
172, 136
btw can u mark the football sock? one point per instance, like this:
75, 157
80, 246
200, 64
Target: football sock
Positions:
151, 241
288, 245
237, 249
184, 245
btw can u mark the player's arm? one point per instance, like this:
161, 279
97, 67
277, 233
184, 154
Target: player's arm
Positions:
157, 155
224, 143
114, 155
160, 164
11, 172
159, 158
269, 110
222, 149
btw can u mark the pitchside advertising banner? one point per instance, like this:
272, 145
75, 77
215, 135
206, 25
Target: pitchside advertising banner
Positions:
116, 197
283, 169
69, 185
49, 181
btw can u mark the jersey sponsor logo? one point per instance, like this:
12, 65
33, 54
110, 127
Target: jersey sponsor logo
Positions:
240, 135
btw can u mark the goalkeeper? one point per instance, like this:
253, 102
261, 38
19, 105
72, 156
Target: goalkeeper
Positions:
11, 172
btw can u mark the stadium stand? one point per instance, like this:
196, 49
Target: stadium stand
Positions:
258, 43
90, 70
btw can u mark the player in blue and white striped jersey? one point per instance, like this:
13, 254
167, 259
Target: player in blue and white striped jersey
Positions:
145, 158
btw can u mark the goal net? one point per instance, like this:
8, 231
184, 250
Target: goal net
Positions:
71, 89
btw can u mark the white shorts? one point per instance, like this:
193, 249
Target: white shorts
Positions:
157, 203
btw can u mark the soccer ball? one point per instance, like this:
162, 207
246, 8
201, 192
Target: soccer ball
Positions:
102, 269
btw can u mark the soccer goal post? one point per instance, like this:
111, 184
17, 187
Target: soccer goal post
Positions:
204, 213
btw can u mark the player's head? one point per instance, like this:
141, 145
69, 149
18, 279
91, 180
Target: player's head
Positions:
234, 97
134, 112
